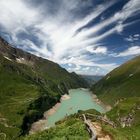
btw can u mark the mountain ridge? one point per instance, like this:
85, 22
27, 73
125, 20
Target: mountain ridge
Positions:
122, 82
29, 85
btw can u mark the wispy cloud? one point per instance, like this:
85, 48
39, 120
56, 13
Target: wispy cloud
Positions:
135, 50
59, 30
132, 38
97, 50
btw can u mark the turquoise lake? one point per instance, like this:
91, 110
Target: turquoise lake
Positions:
80, 99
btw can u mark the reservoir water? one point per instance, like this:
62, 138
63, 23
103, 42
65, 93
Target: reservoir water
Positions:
80, 99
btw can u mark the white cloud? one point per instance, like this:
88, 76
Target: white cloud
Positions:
86, 68
16, 15
135, 50
59, 30
133, 38
137, 35
97, 50
130, 39
83, 61
131, 8
69, 64
119, 28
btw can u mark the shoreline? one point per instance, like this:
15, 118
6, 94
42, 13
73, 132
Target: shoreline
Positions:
99, 102
41, 124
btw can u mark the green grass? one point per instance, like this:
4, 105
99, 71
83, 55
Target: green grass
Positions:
119, 84
16, 93
125, 107
23, 99
70, 129
123, 88
27, 90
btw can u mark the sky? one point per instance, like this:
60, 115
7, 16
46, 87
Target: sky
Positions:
89, 37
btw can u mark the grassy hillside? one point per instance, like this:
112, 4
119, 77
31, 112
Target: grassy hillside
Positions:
29, 85
120, 88
122, 82
126, 117
70, 129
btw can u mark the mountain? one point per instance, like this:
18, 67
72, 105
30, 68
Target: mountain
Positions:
92, 79
121, 89
29, 85
122, 82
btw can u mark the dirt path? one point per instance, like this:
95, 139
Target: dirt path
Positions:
90, 128
95, 130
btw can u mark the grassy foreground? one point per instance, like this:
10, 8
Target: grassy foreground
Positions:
70, 129
120, 115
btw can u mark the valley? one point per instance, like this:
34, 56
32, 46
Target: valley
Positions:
28, 89
69, 69
119, 123
79, 99
39, 100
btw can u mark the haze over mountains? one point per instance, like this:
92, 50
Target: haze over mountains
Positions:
92, 79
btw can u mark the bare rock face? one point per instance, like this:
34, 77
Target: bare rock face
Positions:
15, 54
126, 121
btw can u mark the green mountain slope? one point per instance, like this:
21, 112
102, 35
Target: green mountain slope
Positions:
122, 121
122, 82
126, 117
29, 85
69, 129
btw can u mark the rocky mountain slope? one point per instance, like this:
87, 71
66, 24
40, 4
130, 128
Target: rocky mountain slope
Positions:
29, 85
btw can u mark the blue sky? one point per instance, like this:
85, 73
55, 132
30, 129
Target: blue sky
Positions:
86, 36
